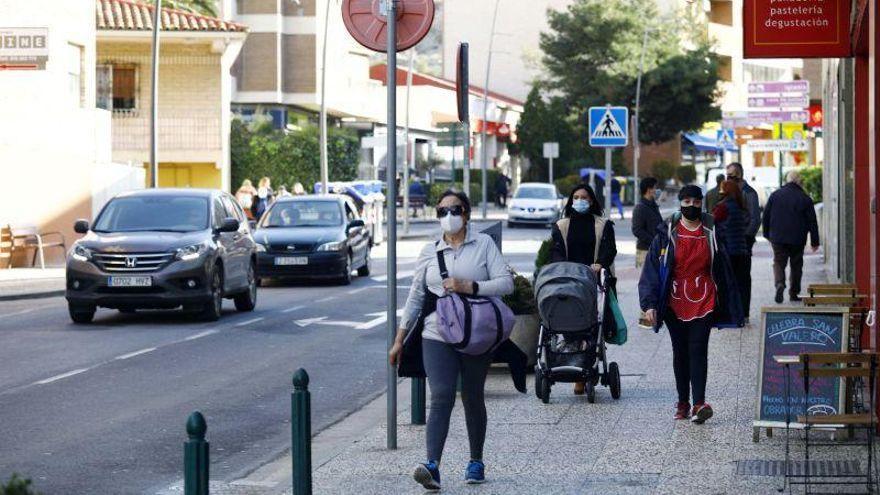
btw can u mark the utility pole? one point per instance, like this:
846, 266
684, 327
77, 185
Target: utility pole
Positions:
391, 205
485, 152
154, 97
635, 121
325, 172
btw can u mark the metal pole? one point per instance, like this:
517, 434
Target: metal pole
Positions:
467, 157
391, 200
637, 148
405, 182
551, 169
325, 172
154, 97
608, 182
484, 166
301, 433
196, 456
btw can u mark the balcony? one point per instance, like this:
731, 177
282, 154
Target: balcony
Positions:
187, 131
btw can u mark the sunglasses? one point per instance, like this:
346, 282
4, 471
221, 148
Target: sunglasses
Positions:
734, 178
456, 211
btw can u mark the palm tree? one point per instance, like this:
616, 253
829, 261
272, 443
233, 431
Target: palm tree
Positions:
204, 7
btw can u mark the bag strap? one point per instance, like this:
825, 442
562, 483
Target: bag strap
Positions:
441, 263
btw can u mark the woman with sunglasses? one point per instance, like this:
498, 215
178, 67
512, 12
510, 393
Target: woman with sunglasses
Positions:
687, 284
475, 267
584, 236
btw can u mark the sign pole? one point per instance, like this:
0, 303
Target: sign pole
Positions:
608, 182
551, 169
467, 157
154, 97
391, 200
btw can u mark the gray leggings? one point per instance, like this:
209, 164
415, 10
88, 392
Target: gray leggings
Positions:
442, 365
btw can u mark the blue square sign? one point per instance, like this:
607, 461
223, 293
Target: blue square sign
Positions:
609, 127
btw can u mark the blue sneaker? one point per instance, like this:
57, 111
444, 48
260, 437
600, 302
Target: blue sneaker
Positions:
476, 473
428, 475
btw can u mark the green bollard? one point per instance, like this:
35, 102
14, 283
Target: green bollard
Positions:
301, 426
195, 456
417, 410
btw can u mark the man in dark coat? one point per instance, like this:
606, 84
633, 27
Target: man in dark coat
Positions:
713, 196
788, 217
735, 173
646, 217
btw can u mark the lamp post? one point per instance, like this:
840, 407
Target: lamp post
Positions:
154, 96
635, 123
325, 173
485, 153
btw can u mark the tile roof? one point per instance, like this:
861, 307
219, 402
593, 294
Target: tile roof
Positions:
131, 15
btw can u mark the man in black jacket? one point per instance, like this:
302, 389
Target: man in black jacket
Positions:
646, 218
788, 217
735, 173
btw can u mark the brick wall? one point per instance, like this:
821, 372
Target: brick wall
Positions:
256, 66
299, 57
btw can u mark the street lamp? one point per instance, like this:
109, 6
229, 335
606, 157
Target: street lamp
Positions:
635, 124
325, 173
485, 155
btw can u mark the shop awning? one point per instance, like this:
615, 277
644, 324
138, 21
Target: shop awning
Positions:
705, 143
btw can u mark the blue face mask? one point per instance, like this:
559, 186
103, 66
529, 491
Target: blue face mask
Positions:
580, 205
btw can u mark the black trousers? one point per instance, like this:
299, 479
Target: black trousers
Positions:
782, 253
690, 356
741, 265
746, 289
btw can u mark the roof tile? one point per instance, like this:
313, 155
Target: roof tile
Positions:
132, 15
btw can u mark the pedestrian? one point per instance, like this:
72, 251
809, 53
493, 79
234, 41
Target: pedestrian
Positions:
731, 218
735, 173
298, 189
502, 184
788, 218
712, 195
264, 197
282, 192
475, 267
583, 236
245, 197
687, 285
645, 219
615, 196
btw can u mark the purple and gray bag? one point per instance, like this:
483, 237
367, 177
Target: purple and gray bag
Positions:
472, 324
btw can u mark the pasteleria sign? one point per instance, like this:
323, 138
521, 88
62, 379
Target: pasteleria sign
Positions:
796, 28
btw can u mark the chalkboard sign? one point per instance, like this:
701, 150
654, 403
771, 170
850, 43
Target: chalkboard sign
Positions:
789, 331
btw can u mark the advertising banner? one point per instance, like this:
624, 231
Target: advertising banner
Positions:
796, 28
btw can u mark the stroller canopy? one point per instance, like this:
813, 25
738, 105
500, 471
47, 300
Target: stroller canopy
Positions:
567, 294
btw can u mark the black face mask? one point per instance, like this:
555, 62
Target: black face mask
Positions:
692, 213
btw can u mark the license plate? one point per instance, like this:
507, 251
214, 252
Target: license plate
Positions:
130, 282
291, 260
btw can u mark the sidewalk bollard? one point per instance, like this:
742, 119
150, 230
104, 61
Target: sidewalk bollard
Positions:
301, 426
195, 456
417, 410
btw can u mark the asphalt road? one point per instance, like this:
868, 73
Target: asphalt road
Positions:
101, 408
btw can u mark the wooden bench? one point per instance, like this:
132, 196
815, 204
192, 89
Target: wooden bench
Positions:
416, 202
833, 301
26, 237
832, 290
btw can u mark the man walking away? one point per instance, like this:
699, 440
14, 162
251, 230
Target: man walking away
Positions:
735, 173
502, 182
788, 217
713, 196
615, 197
646, 217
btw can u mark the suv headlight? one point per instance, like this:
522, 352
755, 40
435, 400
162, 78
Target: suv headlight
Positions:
332, 246
81, 253
192, 252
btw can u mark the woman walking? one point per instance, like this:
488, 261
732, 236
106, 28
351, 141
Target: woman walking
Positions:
245, 197
584, 236
265, 196
731, 220
475, 267
687, 284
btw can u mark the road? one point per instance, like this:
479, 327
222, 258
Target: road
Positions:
101, 408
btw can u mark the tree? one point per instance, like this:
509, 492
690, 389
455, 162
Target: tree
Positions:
543, 122
204, 7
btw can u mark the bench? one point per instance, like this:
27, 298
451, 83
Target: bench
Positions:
26, 237
416, 201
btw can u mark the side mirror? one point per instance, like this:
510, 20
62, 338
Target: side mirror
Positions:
355, 224
229, 225
81, 226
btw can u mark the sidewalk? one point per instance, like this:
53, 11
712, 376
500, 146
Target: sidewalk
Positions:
614, 447
28, 283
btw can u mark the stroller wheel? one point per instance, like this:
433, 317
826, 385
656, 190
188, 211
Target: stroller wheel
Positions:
614, 380
591, 392
542, 387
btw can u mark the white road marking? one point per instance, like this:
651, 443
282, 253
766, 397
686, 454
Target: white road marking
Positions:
331, 323
291, 310
22, 312
326, 299
375, 322
135, 353
400, 275
202, 334
248, 322
61, 376
309, 321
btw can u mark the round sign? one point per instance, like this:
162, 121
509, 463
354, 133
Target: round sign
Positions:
365, 20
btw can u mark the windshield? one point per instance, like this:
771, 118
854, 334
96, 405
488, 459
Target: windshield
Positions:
156, 213
303, 214
535, 193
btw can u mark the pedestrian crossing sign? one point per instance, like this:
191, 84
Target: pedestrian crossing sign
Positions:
609, 126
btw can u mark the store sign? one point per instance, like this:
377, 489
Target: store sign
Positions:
796, 28
779, 101
24, 48
777, 145
816, 116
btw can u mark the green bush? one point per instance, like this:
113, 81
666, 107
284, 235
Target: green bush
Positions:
522, 300
288, 157
686, 174
663, 170
477, 177
543, 256
17, 486
438, 188
567, 184
812, 177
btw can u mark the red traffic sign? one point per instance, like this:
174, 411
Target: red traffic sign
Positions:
365, 21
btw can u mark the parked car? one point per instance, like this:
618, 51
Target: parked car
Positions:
163, 248
534, 203
317, 236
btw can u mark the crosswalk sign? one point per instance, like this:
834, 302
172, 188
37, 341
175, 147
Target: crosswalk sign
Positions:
609, 126
725, 137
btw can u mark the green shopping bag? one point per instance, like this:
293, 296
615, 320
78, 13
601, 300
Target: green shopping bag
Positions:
615, 325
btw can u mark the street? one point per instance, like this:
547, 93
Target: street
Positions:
111, 399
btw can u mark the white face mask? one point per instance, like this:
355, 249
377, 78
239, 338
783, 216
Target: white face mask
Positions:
580, 205
451, 224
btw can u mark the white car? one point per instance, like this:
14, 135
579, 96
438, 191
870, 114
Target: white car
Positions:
534, 203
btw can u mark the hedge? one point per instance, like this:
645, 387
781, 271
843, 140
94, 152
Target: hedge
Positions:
812, 177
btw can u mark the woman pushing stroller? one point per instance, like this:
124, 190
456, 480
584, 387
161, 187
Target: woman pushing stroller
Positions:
687, 283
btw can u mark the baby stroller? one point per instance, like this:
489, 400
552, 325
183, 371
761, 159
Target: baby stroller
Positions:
571, 304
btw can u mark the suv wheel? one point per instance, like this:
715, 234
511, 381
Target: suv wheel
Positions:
364, 271
81, 314
247, 300
212, 309
345, 279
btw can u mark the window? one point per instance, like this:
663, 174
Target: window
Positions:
74, 74
349, 212
219, 213
159, 213
117, 87
233, 210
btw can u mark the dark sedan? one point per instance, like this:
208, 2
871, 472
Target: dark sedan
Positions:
313, 237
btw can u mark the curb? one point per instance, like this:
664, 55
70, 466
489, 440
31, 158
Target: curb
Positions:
32, 295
